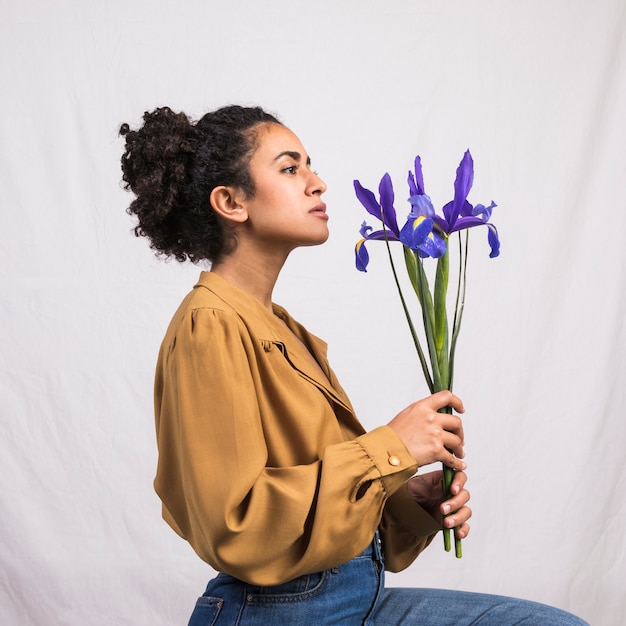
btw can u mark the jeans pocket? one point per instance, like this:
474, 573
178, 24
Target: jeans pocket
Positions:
206, 611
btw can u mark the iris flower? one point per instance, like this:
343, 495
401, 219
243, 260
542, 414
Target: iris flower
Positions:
383, 210
458, 214
426, 234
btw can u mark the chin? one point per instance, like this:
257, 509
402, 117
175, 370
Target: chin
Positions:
322, 239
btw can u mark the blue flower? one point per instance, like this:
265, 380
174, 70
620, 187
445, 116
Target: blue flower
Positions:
424, 231
383, 210
413, 236
422, 210
426, 234
458, 214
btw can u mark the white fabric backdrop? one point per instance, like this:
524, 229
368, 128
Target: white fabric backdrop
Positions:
536, 89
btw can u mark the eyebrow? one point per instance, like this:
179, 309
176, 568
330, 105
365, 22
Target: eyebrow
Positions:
296, 156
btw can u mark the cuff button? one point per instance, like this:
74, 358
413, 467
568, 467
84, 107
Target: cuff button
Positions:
394, 460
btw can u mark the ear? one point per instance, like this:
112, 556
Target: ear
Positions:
227, 203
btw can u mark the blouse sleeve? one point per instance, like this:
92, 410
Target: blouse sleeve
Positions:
258, 522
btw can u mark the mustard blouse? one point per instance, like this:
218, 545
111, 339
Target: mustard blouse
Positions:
263, 467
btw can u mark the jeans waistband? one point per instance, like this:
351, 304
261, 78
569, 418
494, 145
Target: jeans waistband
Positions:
375, 548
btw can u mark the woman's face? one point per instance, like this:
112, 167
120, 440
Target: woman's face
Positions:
286, 210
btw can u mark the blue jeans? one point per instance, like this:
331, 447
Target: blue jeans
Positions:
353, 594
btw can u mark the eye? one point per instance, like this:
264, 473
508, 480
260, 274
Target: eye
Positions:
292, 169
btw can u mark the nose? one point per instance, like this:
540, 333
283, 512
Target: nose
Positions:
317, 185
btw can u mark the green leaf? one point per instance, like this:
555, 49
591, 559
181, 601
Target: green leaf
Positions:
459, 306
441, 317
428, 316
416, 341
410, 260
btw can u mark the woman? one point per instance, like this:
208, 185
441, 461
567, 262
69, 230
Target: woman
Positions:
263, 467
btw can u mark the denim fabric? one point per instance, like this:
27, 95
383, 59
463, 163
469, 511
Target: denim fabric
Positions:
441, 607
353, 595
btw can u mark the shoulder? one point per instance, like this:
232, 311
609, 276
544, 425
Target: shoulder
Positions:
214, 298
216, 311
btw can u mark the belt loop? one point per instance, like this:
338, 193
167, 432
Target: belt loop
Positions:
378, 546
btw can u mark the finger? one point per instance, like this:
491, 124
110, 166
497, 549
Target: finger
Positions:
454, 461
462, 531
459, 518
445, 398
434, 477
456, 503
451, 423
425, 487
430, 482
454, 446
458, 482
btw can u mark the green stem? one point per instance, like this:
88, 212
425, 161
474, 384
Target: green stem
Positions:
428, 317
416, 341
448, 475
440, 294
446, 359
435, 321
460, 302
456, 327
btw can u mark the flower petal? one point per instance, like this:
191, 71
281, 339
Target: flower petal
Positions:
462, 185
415, 231
361, 256
416, 182
421, 204
466, 209
494, 241
380, 235
484, 212
365, 230
386, 202
433, 246
442, 224
367, 199
463, 223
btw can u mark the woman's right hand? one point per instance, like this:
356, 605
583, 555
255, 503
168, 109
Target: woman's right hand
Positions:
431, 436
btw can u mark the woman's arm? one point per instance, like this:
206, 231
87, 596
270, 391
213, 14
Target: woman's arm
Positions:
253, 470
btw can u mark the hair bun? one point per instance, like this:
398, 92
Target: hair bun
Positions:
157, 157
172, 166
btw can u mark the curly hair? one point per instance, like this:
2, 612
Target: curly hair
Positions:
172, 165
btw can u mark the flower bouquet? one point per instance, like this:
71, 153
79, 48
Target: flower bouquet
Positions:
424, 235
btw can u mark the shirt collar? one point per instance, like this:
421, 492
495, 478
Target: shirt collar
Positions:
265, 326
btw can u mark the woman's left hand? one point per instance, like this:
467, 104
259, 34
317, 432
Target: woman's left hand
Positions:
427, 491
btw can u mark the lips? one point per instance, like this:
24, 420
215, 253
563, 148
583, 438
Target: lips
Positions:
319, 210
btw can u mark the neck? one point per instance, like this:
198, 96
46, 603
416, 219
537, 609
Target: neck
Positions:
252, 273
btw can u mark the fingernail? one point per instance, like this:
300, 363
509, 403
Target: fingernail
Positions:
446, 509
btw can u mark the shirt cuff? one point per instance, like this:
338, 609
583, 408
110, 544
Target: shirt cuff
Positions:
393, 462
